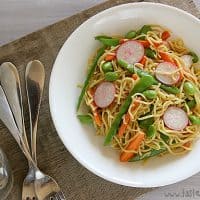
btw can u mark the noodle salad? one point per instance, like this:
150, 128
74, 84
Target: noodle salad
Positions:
142, 94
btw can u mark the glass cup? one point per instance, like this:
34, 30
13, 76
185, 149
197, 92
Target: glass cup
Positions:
6, 177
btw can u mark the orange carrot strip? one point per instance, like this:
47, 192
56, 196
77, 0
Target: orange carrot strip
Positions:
166, 57
110, 57
135, 76
143, 60
187, 144
133, 145
121, 41
157, 44
145, 43
165, 35
124, 125
127, 118
97, 118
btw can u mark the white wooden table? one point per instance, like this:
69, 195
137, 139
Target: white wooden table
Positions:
20, 17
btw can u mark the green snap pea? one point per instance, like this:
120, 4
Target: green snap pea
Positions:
170, 89
191, 104
151, 131
111, 76
152, 153
85, 119
126, 66
145, 123
100, 52
130, 34
136, 70
194, 119
107, 41
107, 67
189, 88
143, 84
195, 58
164, 137
150, 53
144, 30
150, 94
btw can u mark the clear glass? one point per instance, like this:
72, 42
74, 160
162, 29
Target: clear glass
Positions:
6, 177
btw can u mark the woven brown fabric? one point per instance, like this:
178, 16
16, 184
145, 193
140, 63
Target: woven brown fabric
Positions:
76, 181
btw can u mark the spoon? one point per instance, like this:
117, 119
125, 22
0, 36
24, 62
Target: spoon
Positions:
34, 77
10, 83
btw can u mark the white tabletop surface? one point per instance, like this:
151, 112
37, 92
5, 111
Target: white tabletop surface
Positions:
20, 17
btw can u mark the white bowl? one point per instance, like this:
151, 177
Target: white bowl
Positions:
69, 70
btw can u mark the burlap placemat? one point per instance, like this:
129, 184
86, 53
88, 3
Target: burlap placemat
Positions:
76, 181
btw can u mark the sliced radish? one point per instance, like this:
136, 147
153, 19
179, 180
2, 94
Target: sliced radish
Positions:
175, 118
104, 94
171, 77
187, 59
130, 51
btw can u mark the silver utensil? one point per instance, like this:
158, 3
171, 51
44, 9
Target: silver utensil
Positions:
34, 78
45, 186
10, 81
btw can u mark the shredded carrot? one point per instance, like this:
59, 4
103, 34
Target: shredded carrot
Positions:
166, 57
157, 44
187, 144
124, 125
122, 40
127, 118
133, 145
97, 117
143, 60
145, 43
110, 57
135, 76
165, 35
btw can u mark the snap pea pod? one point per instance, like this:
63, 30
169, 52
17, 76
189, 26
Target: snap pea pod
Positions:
150, 94
151, 131
145, 123
131, 34
107, 67
170, 89
189, 88
194, 119
143, 84
85, 119
89, 75
150, 154
195, 58
136, 70
150, 53
126, 66
107, 41
111, 76
191, 104
144, 30
164, 137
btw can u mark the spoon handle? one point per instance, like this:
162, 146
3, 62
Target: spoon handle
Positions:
10, 83
7, 118
34, 77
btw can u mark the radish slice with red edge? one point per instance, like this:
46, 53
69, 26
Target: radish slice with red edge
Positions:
130, 51
168, 79
175, 118
104, 94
